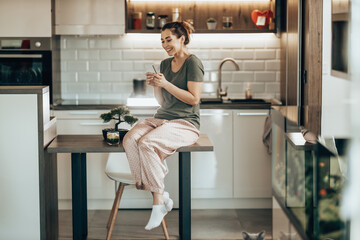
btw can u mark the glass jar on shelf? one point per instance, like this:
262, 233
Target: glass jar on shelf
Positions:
176, 14
150, 20
162, 20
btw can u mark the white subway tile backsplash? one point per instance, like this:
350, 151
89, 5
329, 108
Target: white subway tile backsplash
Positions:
103, 87
253, 43
111, 76
209, 87
257, 87
273, 87
220, 54
273, 65
69, 77
226, 77
99, 43
155, 54
76, 43
277, 53
77, 66
68, 54
254, 65
133, 54
88, 76
234, 87
99, 65
122, 65
240, 76
88, 54
243, 54
75, 87
112, 54
203, 54
122, 88
103, 66
129, 76
265, 54
121, 43
265, 76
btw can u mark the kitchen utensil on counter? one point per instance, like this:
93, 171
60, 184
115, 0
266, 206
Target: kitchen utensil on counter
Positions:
139, 87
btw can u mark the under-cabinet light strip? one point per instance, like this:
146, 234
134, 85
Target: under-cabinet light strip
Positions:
198, 1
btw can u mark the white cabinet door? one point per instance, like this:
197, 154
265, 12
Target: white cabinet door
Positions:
25, 18
252, 163
89, 17
211, 172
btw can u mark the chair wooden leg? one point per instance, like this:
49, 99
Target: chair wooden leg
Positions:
113, 208
113, 218
164, 226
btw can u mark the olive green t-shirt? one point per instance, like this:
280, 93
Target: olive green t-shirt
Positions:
172, 108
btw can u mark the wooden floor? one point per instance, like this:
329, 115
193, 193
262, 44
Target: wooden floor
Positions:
206, 224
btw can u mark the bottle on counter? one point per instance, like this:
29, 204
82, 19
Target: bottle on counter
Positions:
248, 92
150, 20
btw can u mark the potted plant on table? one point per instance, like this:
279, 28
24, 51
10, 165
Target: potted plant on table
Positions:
119, 114
211, 23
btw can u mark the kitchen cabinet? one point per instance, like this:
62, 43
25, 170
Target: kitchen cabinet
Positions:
252, 163
25, 18
89, 17
197, 13
212, 171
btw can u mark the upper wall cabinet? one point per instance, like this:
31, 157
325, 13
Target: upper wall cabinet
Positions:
89, 17
25, 18
207, 16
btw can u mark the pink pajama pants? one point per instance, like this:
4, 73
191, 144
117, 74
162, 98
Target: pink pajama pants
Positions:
151, 141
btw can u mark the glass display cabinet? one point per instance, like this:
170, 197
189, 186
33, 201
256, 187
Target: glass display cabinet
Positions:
307, 182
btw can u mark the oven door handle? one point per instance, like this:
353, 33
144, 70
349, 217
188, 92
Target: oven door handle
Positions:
20, 56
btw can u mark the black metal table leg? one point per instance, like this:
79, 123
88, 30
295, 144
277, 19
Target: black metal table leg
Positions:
79, 195
185, 195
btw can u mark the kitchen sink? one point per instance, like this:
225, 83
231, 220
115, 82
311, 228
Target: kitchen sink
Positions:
210, 100
248, 101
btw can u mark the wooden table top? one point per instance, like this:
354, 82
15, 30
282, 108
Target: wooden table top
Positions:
96, 143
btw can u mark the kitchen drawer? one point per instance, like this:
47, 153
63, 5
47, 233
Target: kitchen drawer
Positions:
79, 114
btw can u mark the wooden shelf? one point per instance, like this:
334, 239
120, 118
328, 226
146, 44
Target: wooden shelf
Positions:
199, 12
204, 31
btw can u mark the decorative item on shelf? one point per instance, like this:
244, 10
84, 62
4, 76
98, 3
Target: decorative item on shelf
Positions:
262, 19
162, 20
211, 23
136, 20
150, 20
119, 114
191, 21
227, 22
176, 14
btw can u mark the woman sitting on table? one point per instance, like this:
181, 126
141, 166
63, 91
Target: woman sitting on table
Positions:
177, 89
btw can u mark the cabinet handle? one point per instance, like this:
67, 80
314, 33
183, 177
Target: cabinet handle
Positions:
94, 124
214, 114
252, 114
84, 113
20, 56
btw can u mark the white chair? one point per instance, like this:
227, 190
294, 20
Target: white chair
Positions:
117, 169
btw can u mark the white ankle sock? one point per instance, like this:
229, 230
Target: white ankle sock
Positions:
168, 201
157, 214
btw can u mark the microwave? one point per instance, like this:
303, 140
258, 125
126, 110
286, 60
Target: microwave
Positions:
29, 62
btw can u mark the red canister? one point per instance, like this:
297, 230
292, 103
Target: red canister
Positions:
136, 20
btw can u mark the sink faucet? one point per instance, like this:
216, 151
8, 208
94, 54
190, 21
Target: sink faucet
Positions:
220, 93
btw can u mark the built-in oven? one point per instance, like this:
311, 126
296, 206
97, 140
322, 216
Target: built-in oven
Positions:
27, 62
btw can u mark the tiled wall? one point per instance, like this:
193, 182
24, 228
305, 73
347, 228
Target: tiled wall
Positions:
102, 68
